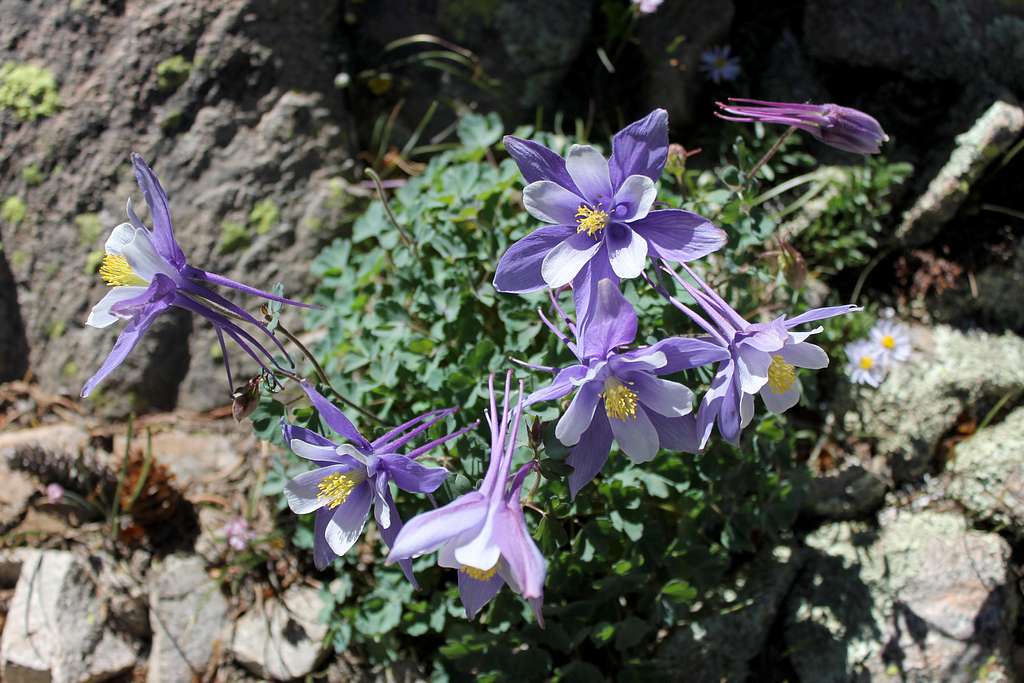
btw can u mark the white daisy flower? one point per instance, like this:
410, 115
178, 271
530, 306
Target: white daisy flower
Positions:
864, 363
891, 341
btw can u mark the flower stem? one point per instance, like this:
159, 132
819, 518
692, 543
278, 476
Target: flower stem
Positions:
769, 154
406, 238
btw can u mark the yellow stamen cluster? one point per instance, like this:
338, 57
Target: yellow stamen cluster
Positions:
479, 574
335, 488
867, 362
116, 272
590, 220
781, 375
888, 342
619, 400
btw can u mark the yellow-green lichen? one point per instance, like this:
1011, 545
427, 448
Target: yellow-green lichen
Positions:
172, 73
29, 91
93, 261
264, 216
32, 175
233, 236
13, 210
89, 228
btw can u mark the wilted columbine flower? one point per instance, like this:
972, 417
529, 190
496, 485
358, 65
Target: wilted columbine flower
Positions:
864, 363
762, 359
600, 213
620, 396
351, 477
891, 341
844, 128
483, 533
719, 65
148, 274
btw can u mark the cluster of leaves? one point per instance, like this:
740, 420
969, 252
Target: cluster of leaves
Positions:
412, 322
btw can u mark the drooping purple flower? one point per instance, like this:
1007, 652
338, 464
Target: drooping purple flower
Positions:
147, 272
719, 65
844, 128
599, 213
353, 476
760, 358
483, 533
620, 396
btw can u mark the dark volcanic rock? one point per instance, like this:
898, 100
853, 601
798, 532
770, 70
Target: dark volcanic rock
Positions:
231, 102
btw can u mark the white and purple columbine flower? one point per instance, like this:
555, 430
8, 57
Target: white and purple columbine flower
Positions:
147, 273
353, 476
891, 342
483, 533
761, 358
844, 128
719, 65
864, 364
620, 396
599, 213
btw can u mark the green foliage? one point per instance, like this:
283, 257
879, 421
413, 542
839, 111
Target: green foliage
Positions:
29, 91
13, 211
172, 73
412, 322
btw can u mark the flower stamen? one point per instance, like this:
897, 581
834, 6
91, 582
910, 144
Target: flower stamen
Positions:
889, 342
334, 489
117, 272
867, 362
590, 220
781, 375
619, 400
479, 574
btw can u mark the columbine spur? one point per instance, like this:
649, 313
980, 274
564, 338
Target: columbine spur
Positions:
620, 396
864, 364
761, 358
599, 213
354, 476
483, 533
147, 273
844, 128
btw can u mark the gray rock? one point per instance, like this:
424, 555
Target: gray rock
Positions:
950, 40
987, 475
672, 40
720, 647
283, 639
849, 491
923, 598
55, 628
920, 401
990, 136
187, 614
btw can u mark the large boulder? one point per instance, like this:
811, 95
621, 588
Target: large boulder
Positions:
922, 598
282, 639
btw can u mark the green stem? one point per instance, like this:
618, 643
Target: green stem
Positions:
769, 154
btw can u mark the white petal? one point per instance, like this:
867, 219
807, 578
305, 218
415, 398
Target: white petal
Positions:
804, 355
636, 436
482, 552
135, 246
637, 194
780, 403
670, 399
589, 170
551, 203
566, 260
100, 316
746, 409
752, 368
578, 415
628, 260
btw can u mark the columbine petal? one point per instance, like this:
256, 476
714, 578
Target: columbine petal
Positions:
677, 235
627, 251
334, 418
676, 433
519, 552
636, 436
780, 403
126, 341
348, 520
670, 399
134, 246
388, 532
584, 285
821, 314
519, 269
579, 414
156, 198
567, 258
428, 531
550, 202
589, 455
589, 170
537, 162
746, 409
559, 387
101, 316
634, 198
804, 355
303, 492
322, 553
314, 452
482, 551
752, 369
614, 322
411, 476
729, 412
640, 148
682, 353
475, 594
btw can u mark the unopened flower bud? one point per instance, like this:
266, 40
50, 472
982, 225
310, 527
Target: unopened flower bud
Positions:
245, 398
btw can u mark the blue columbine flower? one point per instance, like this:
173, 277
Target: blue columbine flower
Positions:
483, 533
599, 211
844, 128
353, 476
621, 396
147, 273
